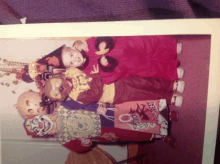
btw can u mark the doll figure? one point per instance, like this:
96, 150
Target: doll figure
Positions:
120, 57
36, 69
26, 72
79, 126
88, 90
20, 70
28, 104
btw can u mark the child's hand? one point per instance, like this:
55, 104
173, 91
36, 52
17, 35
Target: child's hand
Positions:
104, 61
95, 69
81, 45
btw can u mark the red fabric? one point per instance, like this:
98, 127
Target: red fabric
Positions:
145, 56
132, 88
94, 93
135, 88
122, 134
75, 145
127, 135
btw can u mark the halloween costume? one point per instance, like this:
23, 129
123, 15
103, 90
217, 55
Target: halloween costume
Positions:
144, 56
133, 121
88, 90
28, 103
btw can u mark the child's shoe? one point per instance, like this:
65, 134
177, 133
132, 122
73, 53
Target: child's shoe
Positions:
176, 100
180, 73
178, 86
179, 48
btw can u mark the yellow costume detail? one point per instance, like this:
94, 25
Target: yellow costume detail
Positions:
103, 52
74, 94
80, 80
108, 93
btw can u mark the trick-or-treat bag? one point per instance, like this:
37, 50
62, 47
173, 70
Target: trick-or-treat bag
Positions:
145, 116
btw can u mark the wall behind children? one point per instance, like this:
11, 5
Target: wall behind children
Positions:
17, 147
23, 50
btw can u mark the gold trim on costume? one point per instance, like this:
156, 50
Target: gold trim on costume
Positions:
70, 121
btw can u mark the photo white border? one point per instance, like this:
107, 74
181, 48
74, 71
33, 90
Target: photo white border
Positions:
150, 27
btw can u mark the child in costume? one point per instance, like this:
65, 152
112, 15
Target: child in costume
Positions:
86, 90
78, 126
29, 103
120, 57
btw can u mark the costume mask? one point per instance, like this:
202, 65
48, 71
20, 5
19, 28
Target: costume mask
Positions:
57, 88
38, 125
28, 104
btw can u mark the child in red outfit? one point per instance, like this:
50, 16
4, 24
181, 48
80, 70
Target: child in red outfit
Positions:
120, 57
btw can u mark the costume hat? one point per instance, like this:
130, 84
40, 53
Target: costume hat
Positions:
53, 59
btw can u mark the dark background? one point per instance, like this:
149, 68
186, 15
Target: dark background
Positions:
46, 11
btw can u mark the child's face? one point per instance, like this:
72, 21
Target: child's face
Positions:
72, 58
